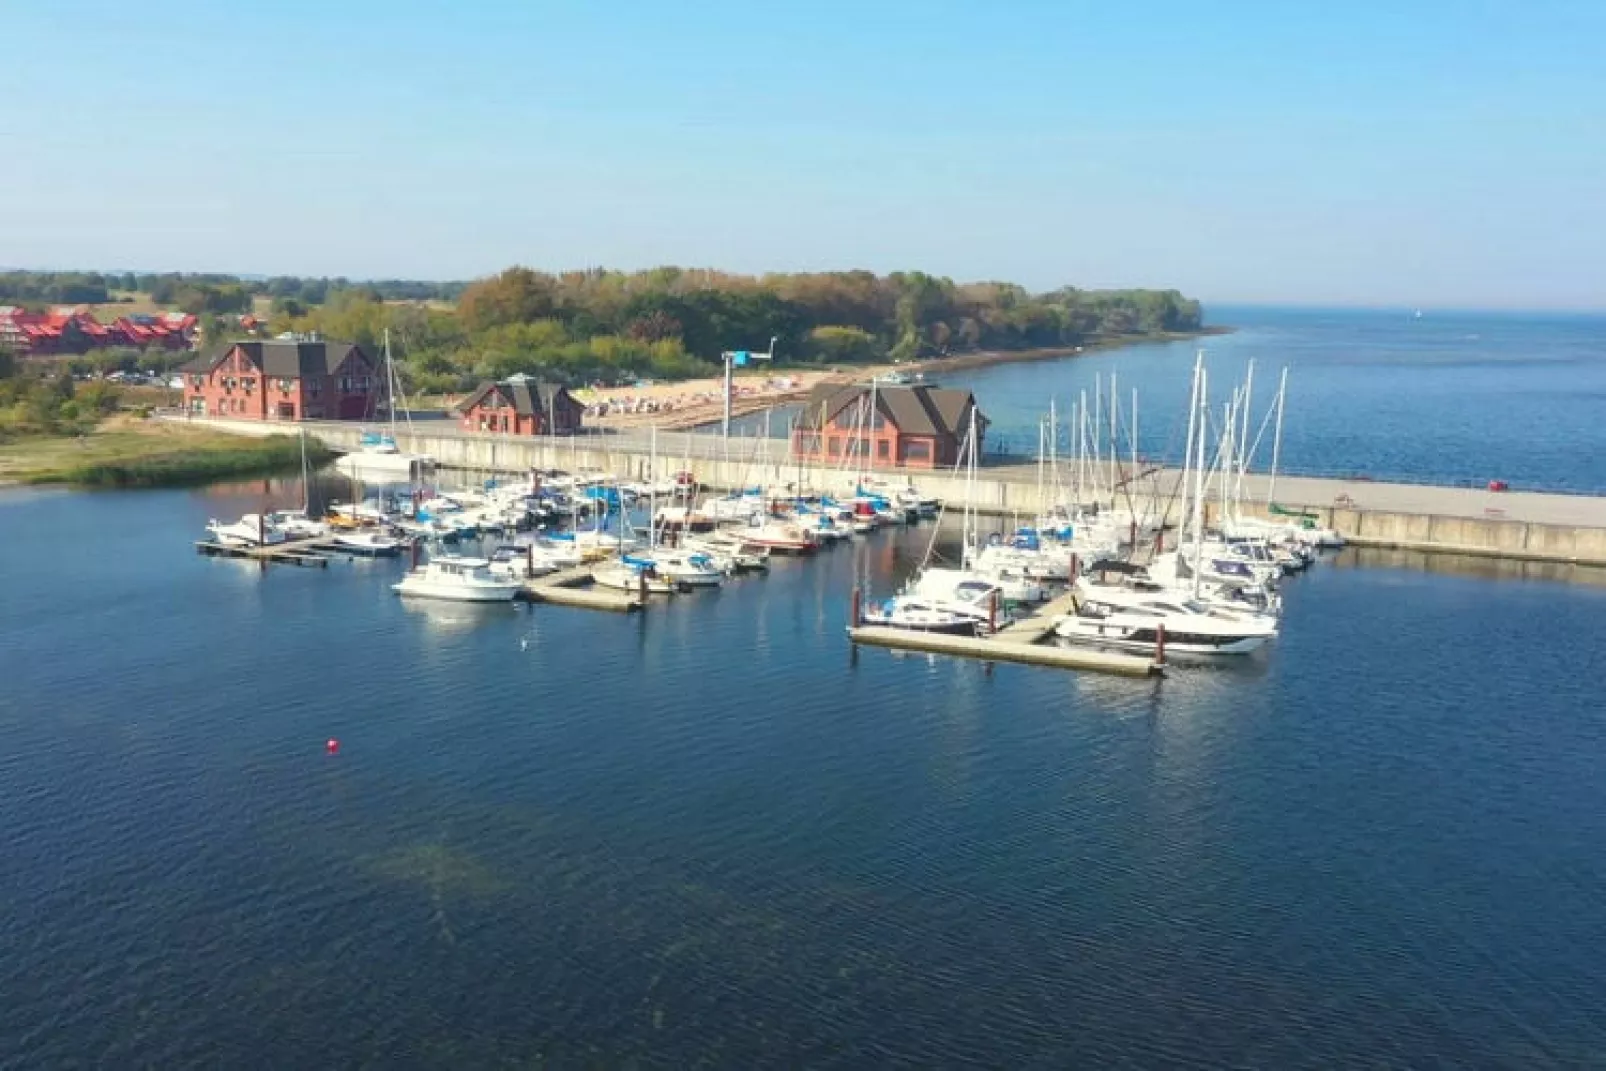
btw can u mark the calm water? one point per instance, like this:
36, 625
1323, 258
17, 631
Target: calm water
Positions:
1447, 398
706, 835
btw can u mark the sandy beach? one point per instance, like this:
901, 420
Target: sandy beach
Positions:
691, 402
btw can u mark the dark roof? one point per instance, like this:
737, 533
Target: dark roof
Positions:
292, 360
528, 396
915, 410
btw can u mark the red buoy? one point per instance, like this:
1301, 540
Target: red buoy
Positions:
332, 746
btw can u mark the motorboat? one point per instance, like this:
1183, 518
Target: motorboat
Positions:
1022, 554
1108, 579
683, 518
963, 591
743, 556
368, 542
919, 615
688, 568
251, 530
1305, 532
780, 536
458, 579
1189, 628
632, 574
735, 507
295, 524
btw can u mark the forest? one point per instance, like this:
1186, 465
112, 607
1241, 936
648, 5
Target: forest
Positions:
675, 322
666, 322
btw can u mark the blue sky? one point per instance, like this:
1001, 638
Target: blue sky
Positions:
1417, 153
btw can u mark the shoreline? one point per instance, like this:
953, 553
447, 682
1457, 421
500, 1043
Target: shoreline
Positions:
662, 404
135, 454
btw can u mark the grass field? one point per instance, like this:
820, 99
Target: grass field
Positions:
126, 451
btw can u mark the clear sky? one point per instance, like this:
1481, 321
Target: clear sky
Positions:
1406, 152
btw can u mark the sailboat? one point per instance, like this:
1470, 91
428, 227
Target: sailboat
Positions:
377, 452
297, 523
1135, 620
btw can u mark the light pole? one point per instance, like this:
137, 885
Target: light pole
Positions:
739, 359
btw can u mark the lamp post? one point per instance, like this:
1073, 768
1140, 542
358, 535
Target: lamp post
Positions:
739, 359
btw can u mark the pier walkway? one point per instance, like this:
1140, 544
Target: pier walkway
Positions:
1515, 525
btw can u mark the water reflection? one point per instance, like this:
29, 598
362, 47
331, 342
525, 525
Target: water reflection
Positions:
440, 615
1468, 565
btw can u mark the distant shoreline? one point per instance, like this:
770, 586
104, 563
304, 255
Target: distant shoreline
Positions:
708, 408
986, 358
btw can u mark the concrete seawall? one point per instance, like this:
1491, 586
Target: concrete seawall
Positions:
1517, 526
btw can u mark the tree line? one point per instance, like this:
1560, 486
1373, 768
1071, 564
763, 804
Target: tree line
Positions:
675, 322
203, 292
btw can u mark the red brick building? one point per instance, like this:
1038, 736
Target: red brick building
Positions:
521, 406
283, 380
917, 427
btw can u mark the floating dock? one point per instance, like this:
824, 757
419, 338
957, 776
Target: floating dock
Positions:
1020, 641
564, 588
1004, 650
306, 552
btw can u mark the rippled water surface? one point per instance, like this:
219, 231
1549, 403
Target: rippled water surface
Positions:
1450, 398
708, 833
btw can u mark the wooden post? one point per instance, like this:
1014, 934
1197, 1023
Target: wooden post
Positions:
412, 552
1159, 644
529, 561
1132, 535
642, 578
992, 612
856, 613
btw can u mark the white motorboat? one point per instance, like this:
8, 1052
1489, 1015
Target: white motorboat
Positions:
689, 569
742, 555
1022, 558
779, 536
963, 591
1190, 628
457, 579
368, 542
740, 507
295, 524
251, 530
919, 615
632, 574
1108, 579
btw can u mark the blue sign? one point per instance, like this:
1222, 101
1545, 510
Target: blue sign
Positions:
739, 358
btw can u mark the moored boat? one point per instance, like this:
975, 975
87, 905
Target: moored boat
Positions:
457, 579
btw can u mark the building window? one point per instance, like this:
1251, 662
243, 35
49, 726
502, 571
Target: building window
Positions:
314, 387
834, 446
808, 442
917, 450
284, 386
198, 382
883, 449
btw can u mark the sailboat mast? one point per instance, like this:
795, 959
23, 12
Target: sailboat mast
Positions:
1198, 478
1243, 439
1115, 450
1277, 438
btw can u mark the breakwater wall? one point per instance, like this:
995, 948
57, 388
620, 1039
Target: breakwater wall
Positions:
1513, 526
